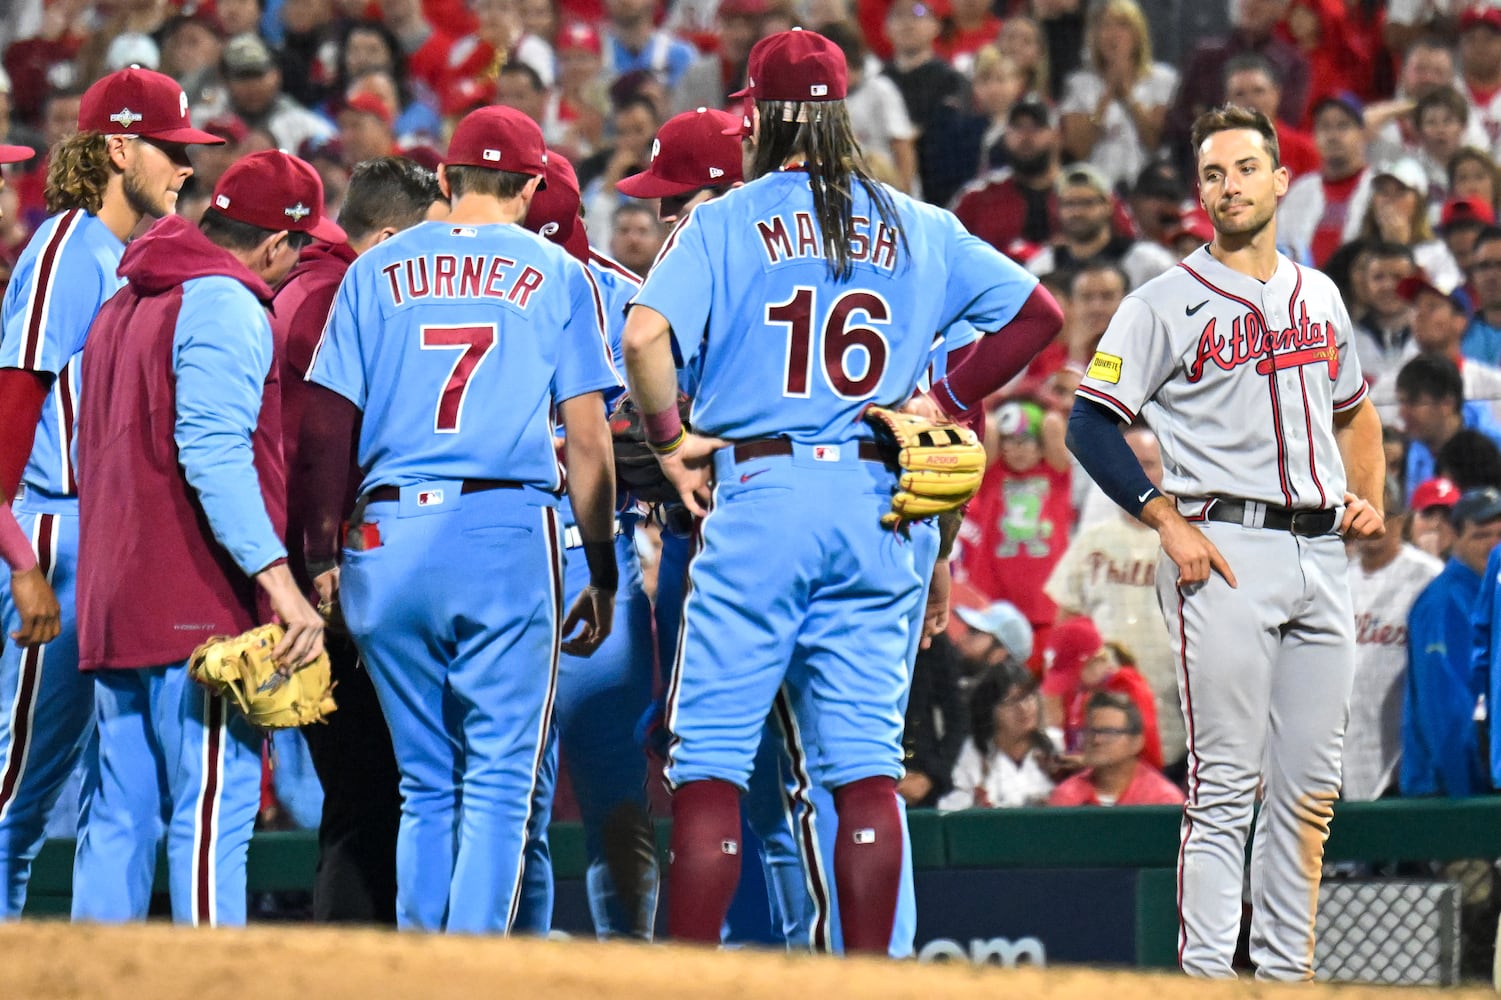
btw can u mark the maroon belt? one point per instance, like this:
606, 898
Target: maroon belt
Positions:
748, 451
470, 486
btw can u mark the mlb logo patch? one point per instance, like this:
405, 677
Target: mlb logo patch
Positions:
825, 453
493, 155
819, 90
429, 498
222, 201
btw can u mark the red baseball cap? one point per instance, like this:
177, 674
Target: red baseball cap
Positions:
1193, 222
15, 154
1069, 647
579, 35
276, 191
229, 126
1480, 15
554, 212
1436, 492
370, 104
499, 138
1462, 210
796, 65
693, 150
140, 102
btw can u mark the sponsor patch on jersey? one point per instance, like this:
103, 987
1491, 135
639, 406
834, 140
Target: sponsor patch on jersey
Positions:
1105, 367
825, 453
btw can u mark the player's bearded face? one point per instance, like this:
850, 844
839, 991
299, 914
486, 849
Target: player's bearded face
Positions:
153, 178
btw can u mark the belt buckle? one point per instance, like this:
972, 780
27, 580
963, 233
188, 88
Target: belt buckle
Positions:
1307, 532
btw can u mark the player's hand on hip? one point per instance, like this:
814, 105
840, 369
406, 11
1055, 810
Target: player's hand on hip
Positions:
41, 618
690, 468
1192, 552
592, 614
936, 616
1361, 519
922, 405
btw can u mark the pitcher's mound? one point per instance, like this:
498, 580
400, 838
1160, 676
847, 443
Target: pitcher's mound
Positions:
47, 960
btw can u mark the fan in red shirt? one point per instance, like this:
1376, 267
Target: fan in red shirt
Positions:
1080, 665
969, 26
1115, 773
1018, 525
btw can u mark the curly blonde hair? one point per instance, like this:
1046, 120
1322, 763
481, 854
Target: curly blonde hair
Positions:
78, 173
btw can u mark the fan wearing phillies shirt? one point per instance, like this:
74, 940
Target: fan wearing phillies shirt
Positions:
178, 442
126, 163
351, 750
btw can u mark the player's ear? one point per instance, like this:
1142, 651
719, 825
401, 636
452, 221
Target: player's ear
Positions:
386, 232
1280, 181
114, 146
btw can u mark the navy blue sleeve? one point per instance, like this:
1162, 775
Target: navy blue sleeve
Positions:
1094, 436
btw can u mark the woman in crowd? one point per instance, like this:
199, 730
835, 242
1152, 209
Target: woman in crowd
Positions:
1113, 109
1006, 761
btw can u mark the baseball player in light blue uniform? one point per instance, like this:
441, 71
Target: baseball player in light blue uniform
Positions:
65, 274
812, 307
600, 698
458, 341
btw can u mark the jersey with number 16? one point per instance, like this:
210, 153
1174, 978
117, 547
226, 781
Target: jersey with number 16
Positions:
790, 351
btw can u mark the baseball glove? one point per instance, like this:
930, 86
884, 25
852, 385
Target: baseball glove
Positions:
941, 465
637, 470
240, 668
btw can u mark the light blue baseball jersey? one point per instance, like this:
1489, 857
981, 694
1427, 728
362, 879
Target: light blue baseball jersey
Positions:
458, 342
787, 350
617, 285
64, 275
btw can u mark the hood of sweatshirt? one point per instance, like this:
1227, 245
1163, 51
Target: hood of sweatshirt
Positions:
173, 252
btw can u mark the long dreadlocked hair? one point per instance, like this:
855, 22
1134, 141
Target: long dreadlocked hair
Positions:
820, 132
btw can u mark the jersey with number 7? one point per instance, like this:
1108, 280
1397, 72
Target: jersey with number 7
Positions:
787, 350
456, 342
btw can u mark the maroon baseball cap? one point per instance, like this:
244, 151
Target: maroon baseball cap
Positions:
554, 212
796, 65
1467, 210
1436, 492
15, 154
691, 151
276, 191
140, 102
579, 36
499, 138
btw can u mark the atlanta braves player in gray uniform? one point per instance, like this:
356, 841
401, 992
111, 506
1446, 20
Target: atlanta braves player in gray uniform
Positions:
1242, 362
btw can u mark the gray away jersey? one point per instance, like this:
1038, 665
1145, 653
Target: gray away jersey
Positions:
1239, 380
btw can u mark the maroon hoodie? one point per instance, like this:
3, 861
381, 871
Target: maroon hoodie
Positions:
153, 581
299, 314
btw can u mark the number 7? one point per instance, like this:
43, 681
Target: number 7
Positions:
474, 344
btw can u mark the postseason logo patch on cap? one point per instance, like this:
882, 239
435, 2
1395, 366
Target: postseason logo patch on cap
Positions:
125, 118
297, 212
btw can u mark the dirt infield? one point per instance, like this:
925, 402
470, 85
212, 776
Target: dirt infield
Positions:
45, 960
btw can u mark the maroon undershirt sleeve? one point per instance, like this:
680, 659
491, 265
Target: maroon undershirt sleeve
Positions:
22, 393
329, 425
999, 357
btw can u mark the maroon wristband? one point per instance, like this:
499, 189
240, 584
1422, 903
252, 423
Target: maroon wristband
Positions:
662, 428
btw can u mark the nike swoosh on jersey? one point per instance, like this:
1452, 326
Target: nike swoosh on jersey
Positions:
1190, 311
746, 477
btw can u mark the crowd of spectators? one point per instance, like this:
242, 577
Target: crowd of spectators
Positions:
1056, 131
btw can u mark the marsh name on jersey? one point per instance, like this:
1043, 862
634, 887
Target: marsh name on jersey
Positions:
874, 245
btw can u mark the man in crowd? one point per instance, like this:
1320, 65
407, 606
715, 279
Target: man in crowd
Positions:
1251, 81
1115, 773
1085, 209
1324, 211
1432, 408
1018, 202
636, 236
1383, 333
1440, 753
254, 84
1482, 339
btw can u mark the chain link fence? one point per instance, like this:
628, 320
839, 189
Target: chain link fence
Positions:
1409, 924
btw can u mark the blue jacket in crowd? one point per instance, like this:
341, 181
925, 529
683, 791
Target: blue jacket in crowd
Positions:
1440, 752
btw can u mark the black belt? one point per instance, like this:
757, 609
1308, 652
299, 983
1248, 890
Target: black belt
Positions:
470, 486
1308, 523
747, 451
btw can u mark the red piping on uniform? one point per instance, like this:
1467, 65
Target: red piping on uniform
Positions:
1271, 380
611, 264
1193, 779
31, 347
67, 427
1292, 304
30, 681
817, 881
1108, 400
1360, 394
208, 834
